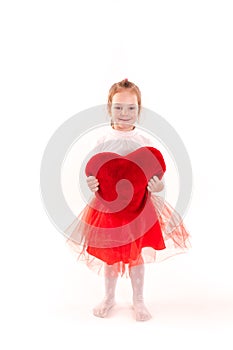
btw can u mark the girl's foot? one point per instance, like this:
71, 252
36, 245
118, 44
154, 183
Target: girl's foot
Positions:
102, 309
141, 312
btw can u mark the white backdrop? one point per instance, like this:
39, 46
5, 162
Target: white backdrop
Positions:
61, 57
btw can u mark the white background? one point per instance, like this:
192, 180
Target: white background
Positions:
61, 57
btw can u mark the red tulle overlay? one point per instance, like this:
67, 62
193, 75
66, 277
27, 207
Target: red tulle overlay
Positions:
123, 224
168, 238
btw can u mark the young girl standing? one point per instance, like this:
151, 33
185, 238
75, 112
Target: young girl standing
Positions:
144, 236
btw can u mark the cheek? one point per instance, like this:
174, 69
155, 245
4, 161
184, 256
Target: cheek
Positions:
135, 118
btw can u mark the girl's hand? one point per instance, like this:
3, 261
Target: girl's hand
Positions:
93, 183
155, 185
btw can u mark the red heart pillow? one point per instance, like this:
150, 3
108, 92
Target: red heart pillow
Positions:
123, 179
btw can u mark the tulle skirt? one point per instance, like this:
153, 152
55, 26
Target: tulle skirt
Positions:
97, 238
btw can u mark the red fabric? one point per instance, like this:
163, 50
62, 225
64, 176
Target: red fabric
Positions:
123, 193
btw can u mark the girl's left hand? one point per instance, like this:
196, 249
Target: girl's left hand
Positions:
155, 185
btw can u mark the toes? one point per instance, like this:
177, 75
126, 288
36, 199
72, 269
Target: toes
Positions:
143, 317
103, 309
141, 313
100, 312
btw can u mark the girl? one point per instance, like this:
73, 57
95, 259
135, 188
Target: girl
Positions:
146, 228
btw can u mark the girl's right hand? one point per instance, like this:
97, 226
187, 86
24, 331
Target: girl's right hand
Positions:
93, 183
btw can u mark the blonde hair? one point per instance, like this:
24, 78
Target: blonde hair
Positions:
124, 85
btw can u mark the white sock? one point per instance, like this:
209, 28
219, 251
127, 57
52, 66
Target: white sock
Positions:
102, 309
136, 274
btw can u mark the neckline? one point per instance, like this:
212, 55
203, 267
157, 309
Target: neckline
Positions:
123, 133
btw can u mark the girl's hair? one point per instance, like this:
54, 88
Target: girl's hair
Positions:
124, 85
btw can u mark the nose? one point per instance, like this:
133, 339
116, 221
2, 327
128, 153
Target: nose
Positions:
124, 110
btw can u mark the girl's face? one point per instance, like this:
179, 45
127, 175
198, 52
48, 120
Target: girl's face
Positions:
124, 110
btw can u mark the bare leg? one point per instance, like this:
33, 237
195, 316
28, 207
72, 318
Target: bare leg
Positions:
137, 280
102, 309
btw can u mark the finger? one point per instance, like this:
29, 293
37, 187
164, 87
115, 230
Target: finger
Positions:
91, 178
153, 185
155, 178
93, 186
92, 182
152, 182
95, 189
149, 188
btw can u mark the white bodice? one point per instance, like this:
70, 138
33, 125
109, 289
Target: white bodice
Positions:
121, 142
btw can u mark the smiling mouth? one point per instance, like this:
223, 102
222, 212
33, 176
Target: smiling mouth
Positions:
124, 120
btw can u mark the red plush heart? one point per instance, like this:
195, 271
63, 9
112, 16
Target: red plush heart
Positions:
123, 179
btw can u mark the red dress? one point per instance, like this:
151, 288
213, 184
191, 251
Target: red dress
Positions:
124, 220
129, 209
